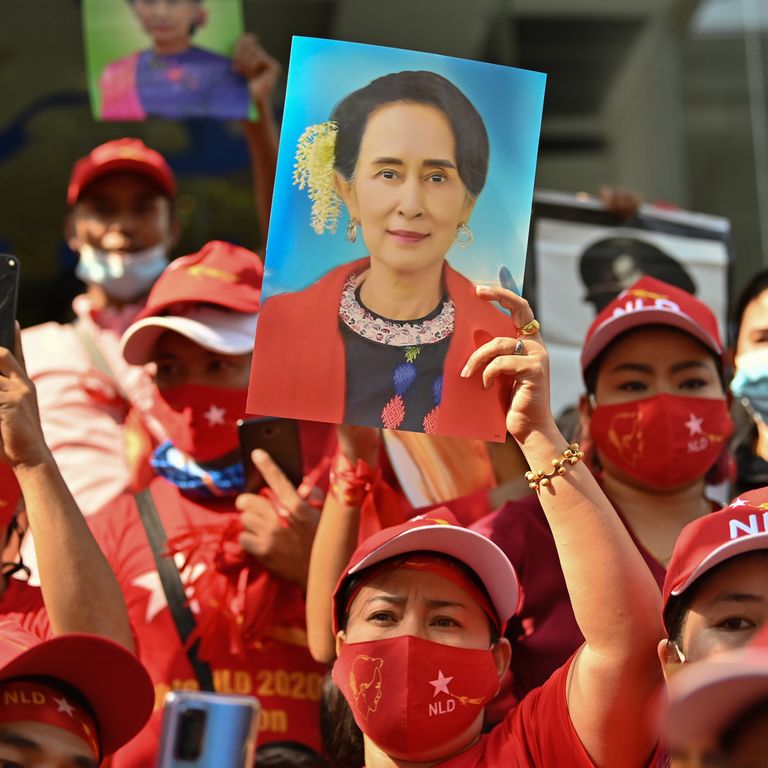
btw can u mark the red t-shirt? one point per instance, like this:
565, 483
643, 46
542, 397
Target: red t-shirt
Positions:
544, 633
538, 733
277, 669
24, 603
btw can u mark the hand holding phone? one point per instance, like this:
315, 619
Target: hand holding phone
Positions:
279, 526
208, 730
9, 289
280, 439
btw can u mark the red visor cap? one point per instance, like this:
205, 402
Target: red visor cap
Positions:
120, 155
110, 678
439, 532
740, 527
220, 274
651, 302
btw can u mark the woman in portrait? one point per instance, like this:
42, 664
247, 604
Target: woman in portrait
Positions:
382, 341
172, 78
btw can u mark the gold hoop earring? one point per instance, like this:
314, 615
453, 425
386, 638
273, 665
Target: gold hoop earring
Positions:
464, 235
352, 230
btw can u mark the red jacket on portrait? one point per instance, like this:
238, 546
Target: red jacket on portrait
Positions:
299, 358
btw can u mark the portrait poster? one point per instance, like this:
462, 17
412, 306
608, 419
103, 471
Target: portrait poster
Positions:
583, 256
404, 180
170, 59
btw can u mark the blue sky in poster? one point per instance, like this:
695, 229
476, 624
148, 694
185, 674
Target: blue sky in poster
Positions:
510, 101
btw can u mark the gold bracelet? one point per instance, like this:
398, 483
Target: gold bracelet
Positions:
571, 455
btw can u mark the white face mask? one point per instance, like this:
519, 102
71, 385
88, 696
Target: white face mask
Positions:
750, 382
124, 278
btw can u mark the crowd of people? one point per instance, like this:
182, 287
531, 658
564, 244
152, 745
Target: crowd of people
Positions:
608, 614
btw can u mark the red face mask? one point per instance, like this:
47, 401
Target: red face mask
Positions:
665, 441
201, 421
408, 694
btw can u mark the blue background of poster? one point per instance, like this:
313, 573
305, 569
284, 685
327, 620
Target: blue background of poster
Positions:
510, 101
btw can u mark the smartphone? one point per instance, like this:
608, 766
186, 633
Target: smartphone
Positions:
279, 437
9, 290
208, 730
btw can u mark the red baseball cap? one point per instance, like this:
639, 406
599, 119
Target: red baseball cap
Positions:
440, 532
211, 297
120, 155
706, 697
651, 302
740, 527
110, 678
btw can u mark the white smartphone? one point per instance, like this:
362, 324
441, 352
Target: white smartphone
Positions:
208, 730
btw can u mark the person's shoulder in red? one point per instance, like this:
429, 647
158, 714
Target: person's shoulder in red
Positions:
121, 536
298, 316
115, 528
120, 532
544, 631
307, 323
519, 528
469, 509
24, 603
535, 734
325, 291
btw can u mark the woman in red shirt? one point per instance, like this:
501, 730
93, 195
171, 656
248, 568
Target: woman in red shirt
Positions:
418, 637
657, 418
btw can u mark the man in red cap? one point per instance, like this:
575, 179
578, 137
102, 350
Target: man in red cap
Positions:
121, 223
655, 424
69, 701
242, 557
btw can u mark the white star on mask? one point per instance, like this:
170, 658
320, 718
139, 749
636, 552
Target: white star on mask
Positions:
215, 416
694, 425
739, 502
64, 706
441, 684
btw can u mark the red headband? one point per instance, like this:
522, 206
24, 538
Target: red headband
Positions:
437, 565
25, 700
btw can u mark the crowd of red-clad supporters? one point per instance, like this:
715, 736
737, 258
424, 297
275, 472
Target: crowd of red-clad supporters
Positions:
607, 615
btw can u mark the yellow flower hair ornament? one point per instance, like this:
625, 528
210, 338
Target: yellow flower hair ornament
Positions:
313, 170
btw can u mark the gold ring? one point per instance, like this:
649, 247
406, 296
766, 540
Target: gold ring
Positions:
529, 329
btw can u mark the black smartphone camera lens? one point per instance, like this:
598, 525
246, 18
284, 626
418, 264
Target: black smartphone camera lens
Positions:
189, 736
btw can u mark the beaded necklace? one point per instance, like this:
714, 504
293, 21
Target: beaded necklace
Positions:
411, 336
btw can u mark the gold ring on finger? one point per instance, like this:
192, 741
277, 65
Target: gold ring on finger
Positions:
529, 329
